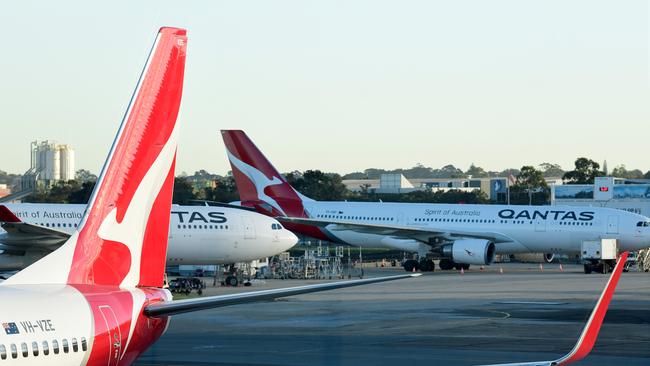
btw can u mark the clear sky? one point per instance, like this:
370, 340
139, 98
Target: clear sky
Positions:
341, 85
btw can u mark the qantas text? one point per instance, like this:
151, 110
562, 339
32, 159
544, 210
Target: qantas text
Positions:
191, 217
551, 214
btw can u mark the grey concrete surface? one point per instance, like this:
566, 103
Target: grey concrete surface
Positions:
441, 318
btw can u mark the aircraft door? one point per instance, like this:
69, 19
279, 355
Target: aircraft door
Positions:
612, 225
114, 335
540, 225
249, 228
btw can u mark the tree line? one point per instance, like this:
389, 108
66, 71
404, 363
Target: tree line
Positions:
529, 186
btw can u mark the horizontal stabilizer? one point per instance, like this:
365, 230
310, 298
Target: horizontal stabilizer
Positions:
161, 309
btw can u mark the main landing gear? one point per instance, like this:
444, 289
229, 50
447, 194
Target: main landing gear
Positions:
447, 264
424, 265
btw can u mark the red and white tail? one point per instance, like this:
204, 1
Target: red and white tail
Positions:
122, 239
258, 182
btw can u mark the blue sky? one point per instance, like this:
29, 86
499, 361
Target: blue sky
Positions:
341, 85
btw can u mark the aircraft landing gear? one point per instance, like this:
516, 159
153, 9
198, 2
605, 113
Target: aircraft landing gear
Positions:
411, 265
427, 265
447, 264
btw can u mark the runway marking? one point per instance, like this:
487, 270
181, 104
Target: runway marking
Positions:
530, 303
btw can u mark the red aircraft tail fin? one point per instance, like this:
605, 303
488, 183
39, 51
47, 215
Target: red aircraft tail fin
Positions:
259, 184
122, 239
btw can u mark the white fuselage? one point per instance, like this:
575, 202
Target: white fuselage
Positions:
543, 229
197, 234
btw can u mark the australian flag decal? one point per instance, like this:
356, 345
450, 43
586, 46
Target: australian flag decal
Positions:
10, 328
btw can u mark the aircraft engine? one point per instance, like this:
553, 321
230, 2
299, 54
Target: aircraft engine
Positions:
470, 251
548, 257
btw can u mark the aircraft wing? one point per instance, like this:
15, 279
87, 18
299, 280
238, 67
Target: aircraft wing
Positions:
22, 235
422, 234
592, 327
162, 309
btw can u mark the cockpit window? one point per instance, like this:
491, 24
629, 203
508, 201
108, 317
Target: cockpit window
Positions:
643, 224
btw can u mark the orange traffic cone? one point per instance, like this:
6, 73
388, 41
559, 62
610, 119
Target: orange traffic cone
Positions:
561, 268
413, 269
541, 267
462, 271
500, 270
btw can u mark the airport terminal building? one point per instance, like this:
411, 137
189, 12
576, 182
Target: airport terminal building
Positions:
631, 195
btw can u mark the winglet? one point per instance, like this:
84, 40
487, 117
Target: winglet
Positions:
592, 328
6, 215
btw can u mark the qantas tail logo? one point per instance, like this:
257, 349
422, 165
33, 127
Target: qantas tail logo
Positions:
131, 230
122, 239
259, 180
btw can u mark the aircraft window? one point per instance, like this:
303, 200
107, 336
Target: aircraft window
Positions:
46, 348
24, 350
3, 352
179, 226
58, 225
195, 226
14, 351
64, 344
75, 345
35, 348
75, 225
226, 227
84, 344
55, 346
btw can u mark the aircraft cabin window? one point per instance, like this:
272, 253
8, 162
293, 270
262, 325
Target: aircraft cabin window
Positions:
35, 348
55, 346
14, 351
75, 345
84, 344
3, 352
24, 350
46, 348
64, 344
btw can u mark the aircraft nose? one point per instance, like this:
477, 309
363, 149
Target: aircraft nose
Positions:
287, 239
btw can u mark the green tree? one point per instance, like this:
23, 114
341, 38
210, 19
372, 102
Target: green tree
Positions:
225, 191
183, 191
530, 187
476, 172
647, 175
83, 175
82, 195
318, 185
585, 172
551, 170
622, 172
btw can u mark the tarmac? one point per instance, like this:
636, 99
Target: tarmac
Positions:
440, 318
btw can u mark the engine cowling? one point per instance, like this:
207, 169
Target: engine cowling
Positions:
548, 257
470, 251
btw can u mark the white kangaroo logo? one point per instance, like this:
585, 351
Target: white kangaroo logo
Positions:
259, 180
